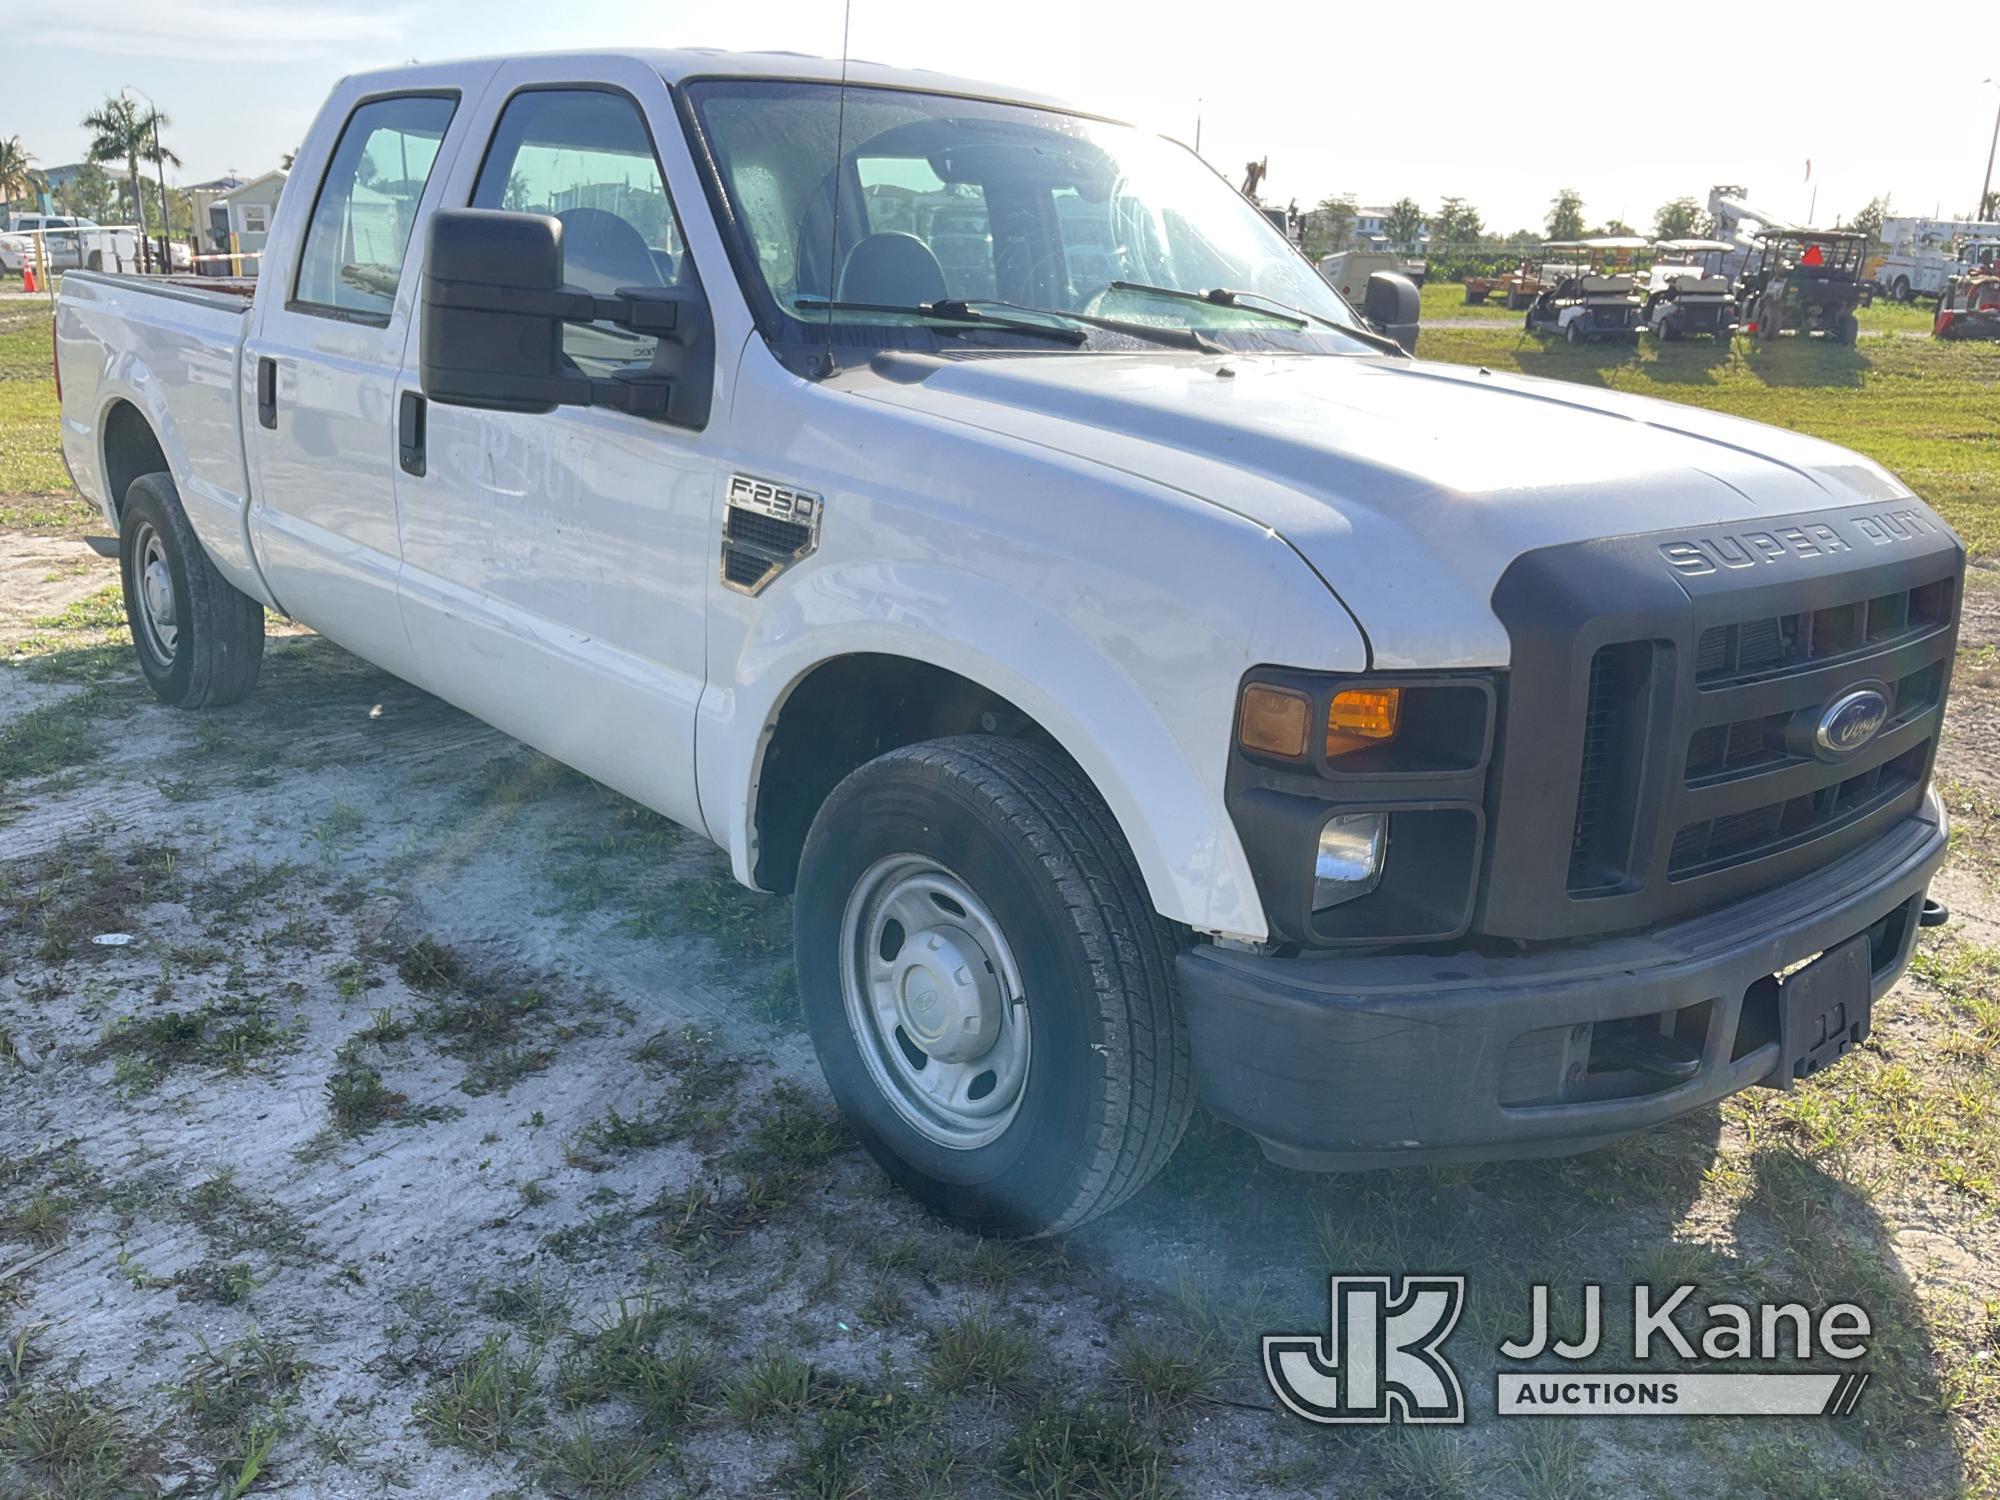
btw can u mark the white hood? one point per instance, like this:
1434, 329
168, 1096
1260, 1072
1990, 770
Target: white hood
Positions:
1408, 486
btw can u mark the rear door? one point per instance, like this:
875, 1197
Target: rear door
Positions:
555, 564
322, 362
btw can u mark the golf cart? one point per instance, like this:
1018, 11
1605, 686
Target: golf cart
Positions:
1686, 291
1804, 281
1969, 306
1591, 298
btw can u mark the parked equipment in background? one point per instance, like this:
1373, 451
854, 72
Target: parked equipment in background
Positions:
1804, 281
1686, 291
1516, 288
1921, 255
1347, 271
1594, 298
1970, 307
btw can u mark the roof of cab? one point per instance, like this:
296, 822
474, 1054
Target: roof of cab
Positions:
679, 65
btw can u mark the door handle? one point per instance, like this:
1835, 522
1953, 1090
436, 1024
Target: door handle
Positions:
267, 393
410, 423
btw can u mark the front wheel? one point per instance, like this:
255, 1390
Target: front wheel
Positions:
200, 641
988, 987
1574, 333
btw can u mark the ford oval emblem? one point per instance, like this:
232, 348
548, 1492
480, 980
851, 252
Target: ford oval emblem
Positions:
1850, 722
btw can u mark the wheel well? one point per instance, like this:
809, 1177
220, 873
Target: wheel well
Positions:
843, 714
130, 449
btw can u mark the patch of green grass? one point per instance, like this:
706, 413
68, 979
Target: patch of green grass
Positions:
232, 1032
744, 926
776, 1386
1088, 1452
43, 1220
1927, 410
63, 735
72, 896
226, 1283
241, 1384
233, 1220
1167, 1380
1422, 1463
581, 1461
71, 1442
488, 1403
30, 444
533, 1307
980, 1354
795, 1134
1549, 1460
359, 1100
621, 1360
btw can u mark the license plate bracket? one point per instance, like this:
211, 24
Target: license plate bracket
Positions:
1824, 1011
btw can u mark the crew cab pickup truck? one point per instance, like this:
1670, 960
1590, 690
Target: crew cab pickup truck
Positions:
1148, 681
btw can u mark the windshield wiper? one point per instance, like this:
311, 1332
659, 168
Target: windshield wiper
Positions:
951, 312
1173, 338
1223, 296
1298, 317
963, 310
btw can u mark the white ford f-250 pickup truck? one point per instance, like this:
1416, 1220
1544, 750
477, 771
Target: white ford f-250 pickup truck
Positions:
1148, 680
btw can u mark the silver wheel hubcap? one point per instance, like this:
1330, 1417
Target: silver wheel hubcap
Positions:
935, 1001
155, 584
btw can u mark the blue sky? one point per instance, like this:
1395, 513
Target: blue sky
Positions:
1340, 97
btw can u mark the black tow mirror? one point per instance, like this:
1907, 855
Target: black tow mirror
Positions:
1394, 306
494, 307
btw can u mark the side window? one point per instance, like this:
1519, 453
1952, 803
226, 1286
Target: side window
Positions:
367, 205
584, 156
903, 195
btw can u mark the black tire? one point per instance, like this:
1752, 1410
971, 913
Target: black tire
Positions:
1109, 1085
1901, 292
217, 640
1574, 332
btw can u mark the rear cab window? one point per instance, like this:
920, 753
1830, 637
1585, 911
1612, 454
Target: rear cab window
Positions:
359, 232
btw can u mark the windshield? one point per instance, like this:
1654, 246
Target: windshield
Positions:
944, 200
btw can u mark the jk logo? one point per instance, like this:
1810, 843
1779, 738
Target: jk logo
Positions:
1382, 1362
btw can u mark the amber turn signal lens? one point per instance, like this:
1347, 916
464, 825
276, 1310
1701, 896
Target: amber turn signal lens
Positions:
1361, 717
1274, 720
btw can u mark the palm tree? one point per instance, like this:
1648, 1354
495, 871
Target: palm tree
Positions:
161, 158
120, 133
16, 176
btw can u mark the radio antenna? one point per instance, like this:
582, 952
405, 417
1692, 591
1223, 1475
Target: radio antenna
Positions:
839, 157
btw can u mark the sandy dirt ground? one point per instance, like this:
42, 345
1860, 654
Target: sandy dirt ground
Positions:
386, 1110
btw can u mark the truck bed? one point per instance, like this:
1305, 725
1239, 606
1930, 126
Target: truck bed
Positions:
171, 346
230, 293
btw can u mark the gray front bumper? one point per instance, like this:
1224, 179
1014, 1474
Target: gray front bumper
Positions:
1338, 1062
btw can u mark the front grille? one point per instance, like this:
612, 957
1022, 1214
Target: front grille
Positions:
1718, 843
1619, 679
1659, 749
1729, 654
1759, 686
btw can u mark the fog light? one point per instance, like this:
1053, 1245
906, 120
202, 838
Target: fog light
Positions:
1349, 860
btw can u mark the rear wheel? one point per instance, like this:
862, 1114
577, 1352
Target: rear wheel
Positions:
1901, 290
200, 641
988, 987
1846, 329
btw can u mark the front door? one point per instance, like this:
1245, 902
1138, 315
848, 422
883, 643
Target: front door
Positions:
554, 564
321, 368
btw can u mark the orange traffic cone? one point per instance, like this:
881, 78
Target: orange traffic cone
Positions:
27, 276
